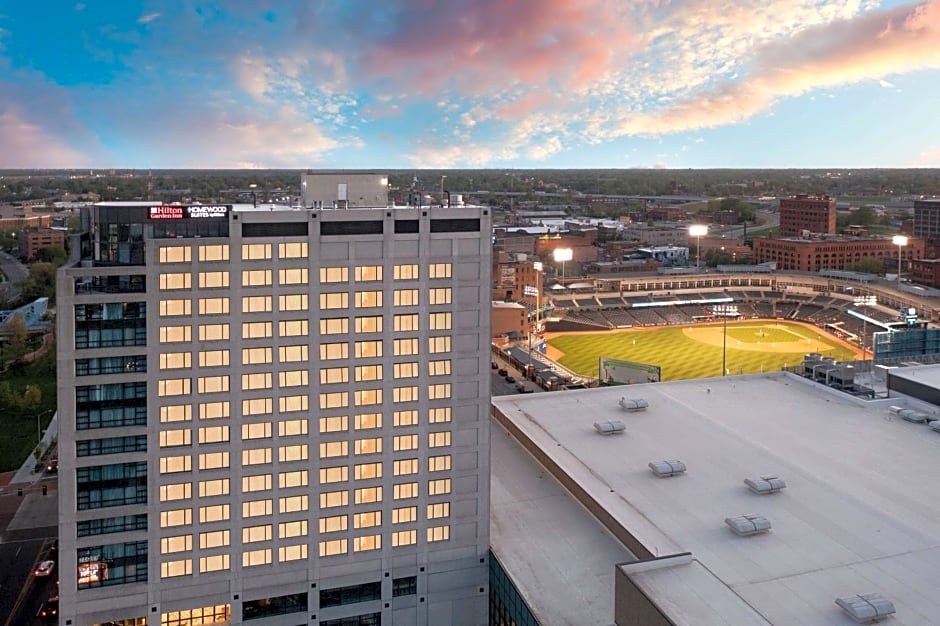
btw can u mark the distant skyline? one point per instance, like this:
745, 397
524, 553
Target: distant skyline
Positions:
469, 84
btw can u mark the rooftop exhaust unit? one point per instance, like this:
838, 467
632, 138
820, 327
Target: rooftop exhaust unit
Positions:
665, 469
935, 426
610, 427
747, 525
910, 415
765, 484
634, 404
866, 608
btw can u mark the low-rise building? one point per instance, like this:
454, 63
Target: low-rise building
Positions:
509, 318
814, 254
31, 240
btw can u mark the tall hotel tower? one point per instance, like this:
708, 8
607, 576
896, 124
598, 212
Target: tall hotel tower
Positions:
276, 416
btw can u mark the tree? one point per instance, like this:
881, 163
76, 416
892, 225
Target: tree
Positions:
868, 266
40, 283
52, 254
31, 397
18, 338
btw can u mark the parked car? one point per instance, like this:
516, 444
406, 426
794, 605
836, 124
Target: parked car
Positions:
44, 569
53, 466
510, 379
49, 610
502, 371
493, 365
521, 388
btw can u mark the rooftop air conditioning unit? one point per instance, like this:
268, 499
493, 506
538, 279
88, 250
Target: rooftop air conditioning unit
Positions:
935, 426
634, 404
610, 427
747, 525
910, 415
765, 484
664, 469
866, 608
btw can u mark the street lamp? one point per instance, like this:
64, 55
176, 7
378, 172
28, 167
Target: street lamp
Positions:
563, 254
900, 241
698, 231
865, 302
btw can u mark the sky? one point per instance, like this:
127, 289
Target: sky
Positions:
400, 84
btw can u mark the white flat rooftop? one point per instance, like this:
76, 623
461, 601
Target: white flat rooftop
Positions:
928, 375
860, 514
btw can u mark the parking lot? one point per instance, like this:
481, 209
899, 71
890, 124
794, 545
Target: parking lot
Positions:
502, 387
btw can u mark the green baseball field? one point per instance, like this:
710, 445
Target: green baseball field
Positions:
696, 351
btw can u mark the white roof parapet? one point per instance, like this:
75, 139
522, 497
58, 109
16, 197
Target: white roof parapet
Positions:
665, 469
610, 427
746, 525
866, 608
765, 484
634, 404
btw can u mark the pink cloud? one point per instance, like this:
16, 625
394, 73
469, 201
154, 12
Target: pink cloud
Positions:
522, 106
487, 44
872, 46
24, 144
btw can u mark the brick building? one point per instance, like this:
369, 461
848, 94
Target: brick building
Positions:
31, 240
812, 255
927, 219
813, 213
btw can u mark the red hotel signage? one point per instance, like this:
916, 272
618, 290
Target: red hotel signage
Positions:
166, 212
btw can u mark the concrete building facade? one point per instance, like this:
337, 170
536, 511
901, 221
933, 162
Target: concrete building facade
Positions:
275, 416
927, 219
803, 212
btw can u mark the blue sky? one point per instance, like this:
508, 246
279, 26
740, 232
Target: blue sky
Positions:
469, 83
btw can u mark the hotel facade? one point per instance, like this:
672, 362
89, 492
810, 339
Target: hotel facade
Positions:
276, 416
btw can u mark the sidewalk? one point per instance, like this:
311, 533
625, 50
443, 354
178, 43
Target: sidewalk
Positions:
26, 474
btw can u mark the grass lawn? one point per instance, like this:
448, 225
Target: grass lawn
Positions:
17, 424
696, 351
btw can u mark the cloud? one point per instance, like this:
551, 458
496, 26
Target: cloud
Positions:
928, 158
147, 18
26, 144
871, 46
886, 84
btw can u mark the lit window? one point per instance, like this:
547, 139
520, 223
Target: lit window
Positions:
334, 326
369, 519
334, 424
176, 517
439, 392
368, 349
261, 430
333, 547
257, 406
292, 378
169, 308
366, 471
292, 504
213, 460
405, 297
256, 304
439, 487
439, 270
295, 552
214, 513
331, 499
333, 524
405, 491
214, 539
257, 508
212, 384
260, 482
406, 418
209, 280
176, 491
260, 380
214, 563
256, 278
332, 375
334, 274
293, 354
213, 332
174, 387
332, 449
292, 453
256, 456
293, 302
176, 254
176, 360
406, 322
438, 533
174, 464
256, 330
406, 370
404, 515
287, 404
438, 345
176, 413
405, 442
368, 397
338, 399
439, 463
214, 358
286, 480
292, 276
368, 273
439, 510
439, 439
368, 372
254, 356
439, 368
439, 321
175, 334
256, 251
174, 438
292, 428
368, 299
296, 250
405, 394
293, 328
213, 410
254, 534
176, 280
404, 538
406, 347
333, 351
367, 421
441, 295
372, 445
367, 495
172, 569
213, 306
253, 558
330, 475
372, 324
209, 488
213, 252
439, 415
405, 467
334, 301
405, 272
286, 530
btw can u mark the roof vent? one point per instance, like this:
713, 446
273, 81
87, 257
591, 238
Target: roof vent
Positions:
665, 469
765, 484
634, 404
935, 425
746, 525
866, 608
911, 415
610, 427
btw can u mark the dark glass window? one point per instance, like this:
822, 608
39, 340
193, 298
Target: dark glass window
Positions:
350, 595
128, 283
507, 607
406, 226
365, 227
114, 564
276, 229
87, 394
134, 414
133, 364
280, 605
369, 619
111, 445
102, 486
109, 525
407, 586
110, 333
455, 226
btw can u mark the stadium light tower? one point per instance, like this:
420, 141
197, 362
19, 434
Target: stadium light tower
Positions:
563, 255
698, 231
725, 311
900, 241
865, 302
